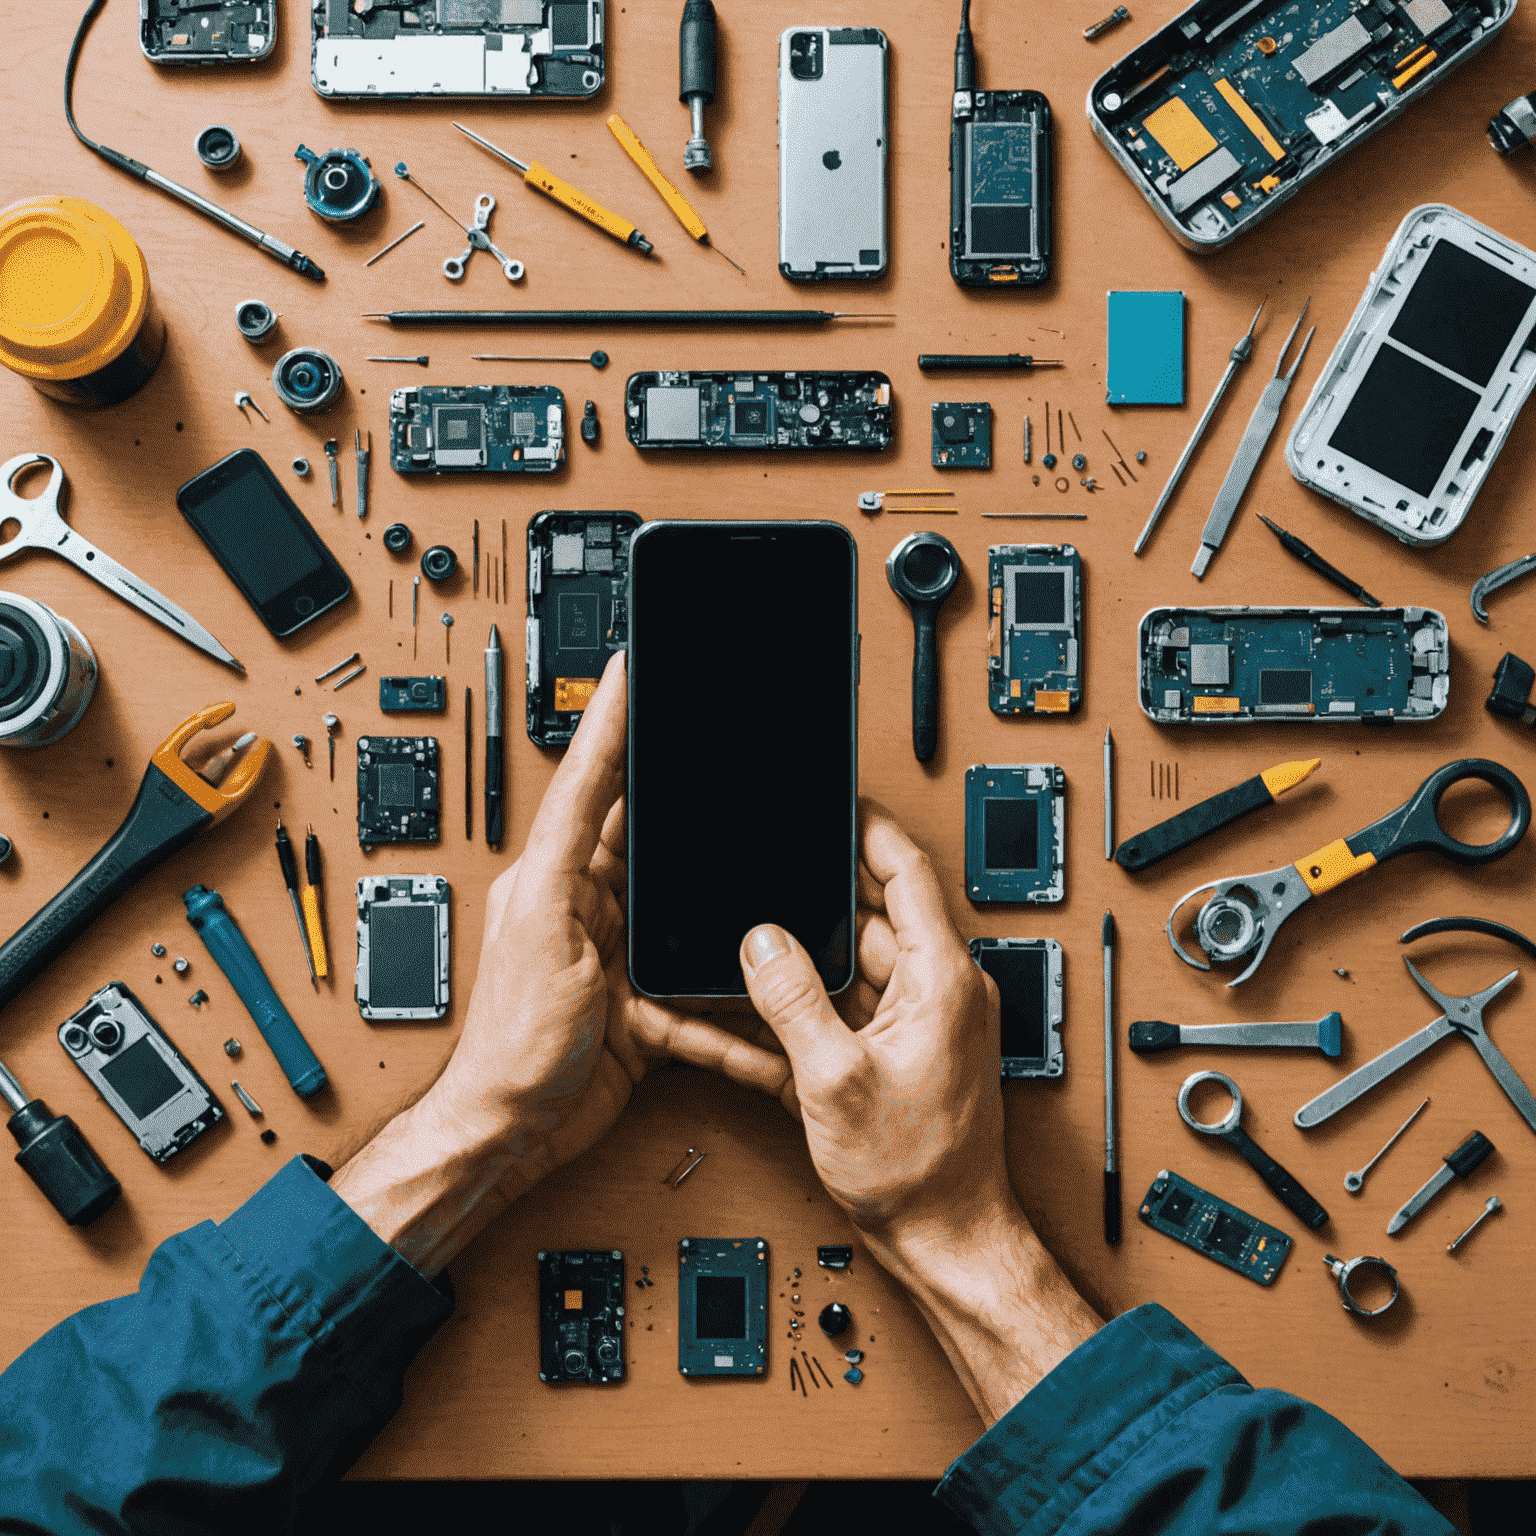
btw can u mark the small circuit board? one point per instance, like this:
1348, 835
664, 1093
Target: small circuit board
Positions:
1215, 666
581, 1315
1029, 988
397, 789
1034, 657
1015, 832
402, 947
722, 1306
1228, 110
403, 695
497, 428
1206, 1223
1000, 204
962, 435
578, 573
206, 31
404, 48
850, 410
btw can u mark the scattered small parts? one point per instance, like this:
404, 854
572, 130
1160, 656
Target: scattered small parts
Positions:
302, 743
301, 467
1511, 696
331, 722
1114, 19
243, 399
330, 453
342, 682
1079, 462
419, 224
232, 1047
1493, 1204
874, 501
689, 1161
397, 538
198, 998
854, 1356
244, 1097
835, 1319
181, 965
853, 1375
268, 1136
157, 950
255, 320
591, 428
439, 563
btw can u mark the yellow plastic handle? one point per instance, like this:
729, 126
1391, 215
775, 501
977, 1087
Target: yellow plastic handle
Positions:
578, 202
652, 173
310, 898
1332, 866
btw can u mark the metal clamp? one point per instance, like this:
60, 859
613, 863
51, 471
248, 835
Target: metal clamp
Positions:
1485, 586
453, 268
1344, 1270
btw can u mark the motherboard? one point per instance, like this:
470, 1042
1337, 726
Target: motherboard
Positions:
502, 428
759, 410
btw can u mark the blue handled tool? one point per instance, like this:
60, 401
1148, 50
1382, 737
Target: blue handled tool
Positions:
221, 933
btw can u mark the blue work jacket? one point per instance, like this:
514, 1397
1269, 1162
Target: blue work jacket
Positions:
262, 1353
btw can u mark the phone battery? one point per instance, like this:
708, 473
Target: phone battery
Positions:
1001, 190
402, 947
1029, 986
1015, 832
397, 789
1034, 660
1209, 1225
581, 1316
722, 1306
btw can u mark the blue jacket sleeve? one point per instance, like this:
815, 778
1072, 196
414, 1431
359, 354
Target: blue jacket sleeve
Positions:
257, 1356
1144, 1431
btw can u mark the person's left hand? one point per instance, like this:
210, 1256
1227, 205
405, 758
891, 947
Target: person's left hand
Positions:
556, 1038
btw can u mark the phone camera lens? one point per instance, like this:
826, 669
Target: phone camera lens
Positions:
307, 380
75, 1038
106, 1034
575, 1362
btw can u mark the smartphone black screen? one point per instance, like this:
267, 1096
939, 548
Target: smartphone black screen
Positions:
266, 546
742, 748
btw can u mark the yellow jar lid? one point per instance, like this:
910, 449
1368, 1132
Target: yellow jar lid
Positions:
73, 288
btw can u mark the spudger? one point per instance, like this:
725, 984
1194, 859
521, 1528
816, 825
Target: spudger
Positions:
494, 755
1111, 1161
619, 316
1310, 557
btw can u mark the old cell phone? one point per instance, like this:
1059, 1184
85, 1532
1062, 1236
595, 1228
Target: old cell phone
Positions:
144, 1079
215, 32
266, 546
1423, 388
832, 151
1028, 977
999, 179
743, 730
402, 947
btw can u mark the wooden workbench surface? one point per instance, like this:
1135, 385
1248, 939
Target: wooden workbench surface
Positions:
1442, 1386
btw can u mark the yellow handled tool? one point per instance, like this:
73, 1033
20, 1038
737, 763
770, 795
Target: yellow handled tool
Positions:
542, 180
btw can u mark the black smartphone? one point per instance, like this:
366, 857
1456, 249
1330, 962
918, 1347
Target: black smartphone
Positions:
743, 748
254, 529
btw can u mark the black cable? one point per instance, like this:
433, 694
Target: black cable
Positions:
965, 51
133, 167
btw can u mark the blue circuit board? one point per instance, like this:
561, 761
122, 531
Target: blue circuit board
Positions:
1209, 1225
722, 1306
746, 410
500, 428
1015, 832
1212, 666
1034, 662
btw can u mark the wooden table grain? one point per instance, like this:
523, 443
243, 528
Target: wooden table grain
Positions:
1443, 1386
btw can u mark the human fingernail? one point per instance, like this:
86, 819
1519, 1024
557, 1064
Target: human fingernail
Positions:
765, 944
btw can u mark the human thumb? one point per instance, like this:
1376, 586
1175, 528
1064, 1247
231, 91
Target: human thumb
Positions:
789, 995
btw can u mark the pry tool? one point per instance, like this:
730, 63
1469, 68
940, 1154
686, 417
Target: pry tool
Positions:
562, 192
1354, 1181
1325, 1034
1454, 1165
494, 755
362, 469
991, 362
1238, 356
40, 525
1111, 1153
696, 51
421, 359
1109, 794
172, 806
1242, 914
1249, 451
1485, 586
1310, 557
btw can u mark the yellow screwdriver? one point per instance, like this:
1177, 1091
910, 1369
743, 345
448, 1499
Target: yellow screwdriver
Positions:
541, 180
686, 215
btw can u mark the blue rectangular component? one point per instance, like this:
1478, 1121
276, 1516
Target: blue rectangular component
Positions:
722, 1306
1146, 349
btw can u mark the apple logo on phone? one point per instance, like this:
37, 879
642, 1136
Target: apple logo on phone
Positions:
832, 160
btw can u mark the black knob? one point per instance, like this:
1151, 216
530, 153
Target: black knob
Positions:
397, 538
835, 1319
439, 563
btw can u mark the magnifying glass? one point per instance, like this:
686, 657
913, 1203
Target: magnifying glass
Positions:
922, 570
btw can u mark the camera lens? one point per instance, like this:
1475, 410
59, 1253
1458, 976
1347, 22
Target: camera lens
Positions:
106, 1034
75, 1038
307, 380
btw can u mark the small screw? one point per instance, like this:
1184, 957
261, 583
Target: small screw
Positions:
1493, 1205
181, 965
243, 399
244, 1097
198, 998
231, 1047
302, 743
268, 1136
854, 1356
1141, 455
301, 467
1079, 461
331, 722
157, 950
1049, 461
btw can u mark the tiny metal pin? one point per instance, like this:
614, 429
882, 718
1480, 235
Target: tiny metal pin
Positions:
1493, 1204
689, 1161
420, 359
1354, 1182
244, 1097
355, 672
331, 672
419, 224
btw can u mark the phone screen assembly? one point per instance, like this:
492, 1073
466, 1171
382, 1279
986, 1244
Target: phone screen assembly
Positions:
1412, 408
832, 151
743, 726
1234, 106
1000, 189
1034, 653
722, 1306
145, 1080
212, 32
1015, 832
1228, 666
1028, 977
265, 545
402, 947
399, 49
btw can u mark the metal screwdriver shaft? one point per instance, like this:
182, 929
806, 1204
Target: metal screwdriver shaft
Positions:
291, 880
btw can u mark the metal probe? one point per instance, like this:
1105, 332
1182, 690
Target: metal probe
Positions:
362, 469
696, 69
1238, 356
1493, 1204
1354, 1182
291, 880
1109, 794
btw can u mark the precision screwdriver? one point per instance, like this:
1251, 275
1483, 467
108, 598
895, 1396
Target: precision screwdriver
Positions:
320, 966
541, 180
493, 744
1006, 362
291, 880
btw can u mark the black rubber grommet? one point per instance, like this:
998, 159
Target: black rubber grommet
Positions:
439, 563
397, 538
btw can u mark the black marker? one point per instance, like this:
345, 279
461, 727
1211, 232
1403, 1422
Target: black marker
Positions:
493, 756
1309, 556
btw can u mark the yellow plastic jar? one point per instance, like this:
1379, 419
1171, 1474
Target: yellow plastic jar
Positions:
76, 314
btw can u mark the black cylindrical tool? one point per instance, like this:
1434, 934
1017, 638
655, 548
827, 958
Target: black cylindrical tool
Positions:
696, 69
922, 570
57, 1158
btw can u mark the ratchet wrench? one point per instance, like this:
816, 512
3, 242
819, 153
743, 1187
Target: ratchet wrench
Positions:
43, 527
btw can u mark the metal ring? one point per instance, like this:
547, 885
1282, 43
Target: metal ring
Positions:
1229, 1122
1062, 483
1343, 1271
301, 467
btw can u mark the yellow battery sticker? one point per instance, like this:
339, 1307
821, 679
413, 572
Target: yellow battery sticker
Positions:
1184, 138
1216, 704
574, 693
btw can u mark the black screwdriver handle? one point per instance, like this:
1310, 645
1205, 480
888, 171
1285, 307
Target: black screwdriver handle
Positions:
960, 362
925, 681
1149, 1035
1468, 1155
696, 51
1285, 1184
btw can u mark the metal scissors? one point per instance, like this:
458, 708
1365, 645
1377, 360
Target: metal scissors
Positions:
43, 527
1243, 914
1459, 1016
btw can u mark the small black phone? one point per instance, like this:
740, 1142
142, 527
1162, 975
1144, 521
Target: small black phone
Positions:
267, 547
743, 737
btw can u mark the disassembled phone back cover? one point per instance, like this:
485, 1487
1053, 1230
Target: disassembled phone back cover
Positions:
1232, 666
1424, 386
399, 49
1227, 112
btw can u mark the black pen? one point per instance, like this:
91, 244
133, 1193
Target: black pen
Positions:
1309, 556
493, 756
1111, 1161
